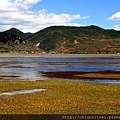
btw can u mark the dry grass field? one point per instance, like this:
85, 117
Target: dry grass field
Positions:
60, 97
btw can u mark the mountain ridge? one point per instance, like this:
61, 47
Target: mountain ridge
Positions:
71, 39
17, 32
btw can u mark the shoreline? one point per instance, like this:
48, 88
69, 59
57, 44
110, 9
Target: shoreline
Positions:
55, 55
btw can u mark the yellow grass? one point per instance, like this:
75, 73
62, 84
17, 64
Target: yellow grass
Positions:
61, 96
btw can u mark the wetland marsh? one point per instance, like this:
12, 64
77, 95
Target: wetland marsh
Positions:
71, 85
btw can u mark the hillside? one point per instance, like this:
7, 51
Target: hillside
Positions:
90, 39
17, 32
61, 39
13, 41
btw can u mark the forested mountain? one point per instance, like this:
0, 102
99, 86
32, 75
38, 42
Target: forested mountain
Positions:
64, 39
90, 39
13, 41
17, 32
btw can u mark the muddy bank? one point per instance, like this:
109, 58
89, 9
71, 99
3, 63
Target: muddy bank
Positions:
85, 75
55, 55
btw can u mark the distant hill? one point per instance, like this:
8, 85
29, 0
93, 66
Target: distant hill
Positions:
62, 39
17, 32
13, 41
66, 39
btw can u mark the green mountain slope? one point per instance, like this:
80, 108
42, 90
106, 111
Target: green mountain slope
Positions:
17, 32
13, 41
90, 39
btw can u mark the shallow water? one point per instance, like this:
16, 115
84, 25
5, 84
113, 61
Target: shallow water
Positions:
20, 92
104, 81
31, 68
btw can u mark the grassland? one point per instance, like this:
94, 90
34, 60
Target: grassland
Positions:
61, 96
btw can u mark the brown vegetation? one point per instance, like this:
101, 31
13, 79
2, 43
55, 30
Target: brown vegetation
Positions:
85, 75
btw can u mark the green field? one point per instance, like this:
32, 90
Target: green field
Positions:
60, 96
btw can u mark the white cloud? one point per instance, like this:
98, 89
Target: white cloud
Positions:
15, 5
115, 16
17, 13
24, 4
116, 27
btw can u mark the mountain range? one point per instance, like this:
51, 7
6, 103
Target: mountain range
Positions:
62, 39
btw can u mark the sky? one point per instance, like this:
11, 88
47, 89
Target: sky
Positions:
35, 15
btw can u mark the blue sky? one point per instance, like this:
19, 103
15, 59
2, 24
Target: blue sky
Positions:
34, 15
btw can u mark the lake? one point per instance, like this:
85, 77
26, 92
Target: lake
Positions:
31, 67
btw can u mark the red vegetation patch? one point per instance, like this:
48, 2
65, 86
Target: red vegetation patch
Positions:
84, 75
